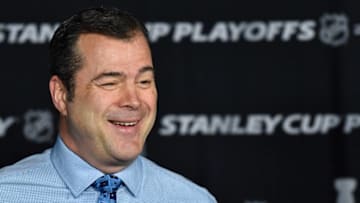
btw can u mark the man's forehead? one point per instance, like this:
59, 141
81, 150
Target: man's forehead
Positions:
98, 43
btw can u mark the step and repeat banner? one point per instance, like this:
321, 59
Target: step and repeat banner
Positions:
259, 101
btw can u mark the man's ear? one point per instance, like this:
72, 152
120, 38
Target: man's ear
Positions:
58, 94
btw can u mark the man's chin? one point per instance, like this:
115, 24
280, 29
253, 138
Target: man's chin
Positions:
128, 158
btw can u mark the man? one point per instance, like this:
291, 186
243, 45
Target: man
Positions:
103, 85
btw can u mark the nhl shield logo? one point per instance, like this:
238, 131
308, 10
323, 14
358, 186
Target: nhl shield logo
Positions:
334, 30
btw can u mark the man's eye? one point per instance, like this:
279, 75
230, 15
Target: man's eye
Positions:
107, 84
145, 83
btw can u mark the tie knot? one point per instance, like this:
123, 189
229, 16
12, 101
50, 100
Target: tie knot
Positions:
107, 184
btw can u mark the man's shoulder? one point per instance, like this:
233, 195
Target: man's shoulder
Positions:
172, 183
37, 166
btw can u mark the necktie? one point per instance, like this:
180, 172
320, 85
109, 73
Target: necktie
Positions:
107, 186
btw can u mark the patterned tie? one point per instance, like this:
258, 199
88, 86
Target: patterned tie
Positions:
107, 186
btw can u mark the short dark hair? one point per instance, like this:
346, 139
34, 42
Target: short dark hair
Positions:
65, 60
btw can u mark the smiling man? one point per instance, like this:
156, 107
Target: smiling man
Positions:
103, 85
114, 103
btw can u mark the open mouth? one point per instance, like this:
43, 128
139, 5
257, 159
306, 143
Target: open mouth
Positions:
124, 123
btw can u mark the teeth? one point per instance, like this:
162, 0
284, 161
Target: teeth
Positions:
124, 123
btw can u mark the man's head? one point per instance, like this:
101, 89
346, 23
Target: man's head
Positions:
103, 86
64, 57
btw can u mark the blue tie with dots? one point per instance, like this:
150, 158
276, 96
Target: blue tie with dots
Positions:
107, 186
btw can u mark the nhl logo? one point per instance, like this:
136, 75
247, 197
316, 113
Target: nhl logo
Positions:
38, 126
334, 29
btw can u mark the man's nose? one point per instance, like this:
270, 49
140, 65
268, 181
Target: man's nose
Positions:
130, 97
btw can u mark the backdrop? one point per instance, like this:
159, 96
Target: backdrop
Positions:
258, 100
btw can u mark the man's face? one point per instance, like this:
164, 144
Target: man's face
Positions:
114, 105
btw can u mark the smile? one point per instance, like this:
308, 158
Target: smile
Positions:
126, 124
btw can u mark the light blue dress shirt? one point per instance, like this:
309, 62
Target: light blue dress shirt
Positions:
59, 175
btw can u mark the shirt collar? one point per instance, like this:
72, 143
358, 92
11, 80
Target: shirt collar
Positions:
78, 175
132, 176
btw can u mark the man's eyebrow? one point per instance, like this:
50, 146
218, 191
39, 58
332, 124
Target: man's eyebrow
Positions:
120, 74
146, 69
108, 74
